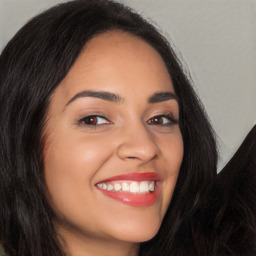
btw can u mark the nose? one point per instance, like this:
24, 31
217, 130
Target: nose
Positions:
137, 143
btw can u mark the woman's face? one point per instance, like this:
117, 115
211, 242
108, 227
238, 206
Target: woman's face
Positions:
113, 146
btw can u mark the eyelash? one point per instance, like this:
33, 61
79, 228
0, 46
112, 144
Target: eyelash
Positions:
169, 117
86, 121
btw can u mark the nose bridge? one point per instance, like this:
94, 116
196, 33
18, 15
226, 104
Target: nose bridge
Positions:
137, 143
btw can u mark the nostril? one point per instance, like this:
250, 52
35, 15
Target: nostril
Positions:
131, 157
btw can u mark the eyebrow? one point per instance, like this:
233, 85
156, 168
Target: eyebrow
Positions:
163, 96
109, 96
113, 97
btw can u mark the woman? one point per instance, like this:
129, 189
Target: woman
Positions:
105, 148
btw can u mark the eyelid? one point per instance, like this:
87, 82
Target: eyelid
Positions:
169, 116
86, 122
81, 120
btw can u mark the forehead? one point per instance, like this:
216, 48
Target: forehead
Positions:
118, 61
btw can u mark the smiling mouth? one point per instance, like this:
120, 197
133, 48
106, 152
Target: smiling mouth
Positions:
136, 189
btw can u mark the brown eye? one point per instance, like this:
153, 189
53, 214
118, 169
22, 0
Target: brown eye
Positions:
90, 120
94, 120
156, 120
162, 120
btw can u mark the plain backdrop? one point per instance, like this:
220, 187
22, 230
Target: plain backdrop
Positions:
216, 41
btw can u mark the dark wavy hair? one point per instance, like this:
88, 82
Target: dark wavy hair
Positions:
32, 65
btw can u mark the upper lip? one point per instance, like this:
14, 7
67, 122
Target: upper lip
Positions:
135, 177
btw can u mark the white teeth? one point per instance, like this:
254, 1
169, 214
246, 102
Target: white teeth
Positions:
110, 187
144, 187
152, 186
125, 187
136, 187
100, 185
117, 187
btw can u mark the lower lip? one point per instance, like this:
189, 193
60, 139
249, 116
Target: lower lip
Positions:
146, 199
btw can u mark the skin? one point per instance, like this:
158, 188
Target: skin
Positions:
77, 156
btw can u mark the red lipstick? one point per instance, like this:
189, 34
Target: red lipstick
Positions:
136, 177
145, 198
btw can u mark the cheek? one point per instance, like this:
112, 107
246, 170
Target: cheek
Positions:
71, 152
172, 149
176, 151
71, 162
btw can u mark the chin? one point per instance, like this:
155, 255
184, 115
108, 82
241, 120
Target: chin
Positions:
136, 231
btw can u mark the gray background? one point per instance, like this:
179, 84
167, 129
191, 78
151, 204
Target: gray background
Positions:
216, 41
